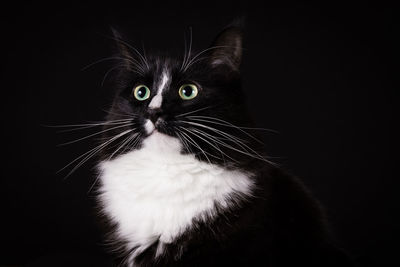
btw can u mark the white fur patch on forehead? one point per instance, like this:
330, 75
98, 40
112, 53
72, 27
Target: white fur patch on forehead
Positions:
157, 99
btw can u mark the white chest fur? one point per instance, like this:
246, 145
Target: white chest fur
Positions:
155, 192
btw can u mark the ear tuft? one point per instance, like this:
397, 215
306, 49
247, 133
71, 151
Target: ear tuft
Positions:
227, 47
121, 45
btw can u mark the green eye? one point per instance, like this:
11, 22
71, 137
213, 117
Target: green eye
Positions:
141, 92
188, 91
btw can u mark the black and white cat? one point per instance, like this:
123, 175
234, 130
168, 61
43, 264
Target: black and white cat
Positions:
183, 178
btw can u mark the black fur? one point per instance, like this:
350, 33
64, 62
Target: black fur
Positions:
281, 225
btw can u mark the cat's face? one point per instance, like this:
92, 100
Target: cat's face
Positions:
197, 100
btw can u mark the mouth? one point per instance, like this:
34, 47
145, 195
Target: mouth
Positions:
158, 127
149, 127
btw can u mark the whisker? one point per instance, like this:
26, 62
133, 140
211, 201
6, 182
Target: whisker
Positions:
87, 155
187, 53
230, 124
183, 139
190, 63
137, 67
97, 133
142, 58
102, 60
246, 149
123, 143
108, 72
128, 115
184, 52
256, 156
132, 144
144, 54
190, 140
197, 60
192, 130
135, 138
215, 130
226, 124
191, 112
97, 151
88, 125
119, 66
95, 123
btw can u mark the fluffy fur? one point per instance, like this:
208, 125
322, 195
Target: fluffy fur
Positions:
155, 193
186, 182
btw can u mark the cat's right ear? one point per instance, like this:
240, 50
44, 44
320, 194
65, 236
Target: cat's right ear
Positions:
123, 49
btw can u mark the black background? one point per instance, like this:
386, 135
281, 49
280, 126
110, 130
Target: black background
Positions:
323, 77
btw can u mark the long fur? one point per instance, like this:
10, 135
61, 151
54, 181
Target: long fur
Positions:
187, 183
155, 193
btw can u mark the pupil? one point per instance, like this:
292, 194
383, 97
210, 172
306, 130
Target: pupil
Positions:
141, 92
187, 91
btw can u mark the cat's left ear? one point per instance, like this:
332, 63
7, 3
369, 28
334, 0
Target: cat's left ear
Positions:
227, 47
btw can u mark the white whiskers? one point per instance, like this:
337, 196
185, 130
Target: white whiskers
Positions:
127, 142
89, 154
218, 139
97, 133
75, 127
194, 111
130, 142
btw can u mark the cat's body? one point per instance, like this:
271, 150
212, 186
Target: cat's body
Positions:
181, 184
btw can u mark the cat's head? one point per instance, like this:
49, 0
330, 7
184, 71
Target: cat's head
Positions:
196, 100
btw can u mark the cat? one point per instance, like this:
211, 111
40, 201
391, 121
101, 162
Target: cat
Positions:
183, 178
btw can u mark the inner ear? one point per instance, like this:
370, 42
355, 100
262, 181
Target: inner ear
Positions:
227, 47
